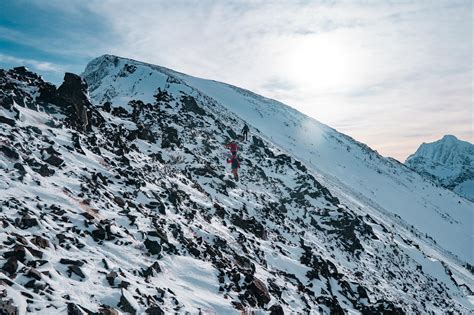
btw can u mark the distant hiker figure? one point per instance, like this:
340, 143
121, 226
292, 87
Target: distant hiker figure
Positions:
235, 164
245, 131
233, 147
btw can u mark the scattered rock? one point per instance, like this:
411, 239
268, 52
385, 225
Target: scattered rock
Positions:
40, 242
27, 222
66, 261
9, 152
154, 268
108, 311
7, 121
259, 290
111, 277
126, 305
276, 309
33, 273
153, 247
154, 310
8, 307
76, 270
10, 266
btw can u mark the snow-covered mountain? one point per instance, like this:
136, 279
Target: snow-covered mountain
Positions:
449, 162
120, 201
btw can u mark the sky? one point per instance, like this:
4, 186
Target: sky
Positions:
391, 74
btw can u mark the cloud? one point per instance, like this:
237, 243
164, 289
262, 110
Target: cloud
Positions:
37, 65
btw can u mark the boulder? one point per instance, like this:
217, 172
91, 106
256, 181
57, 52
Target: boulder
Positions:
111, 277
66, 261
26, 222
72, 96
259, 290
276, 309
9, 152
40, 242
154, 310
76, 270
7, 121
10, 267
8, 307
126, 303
154, 268
152, 246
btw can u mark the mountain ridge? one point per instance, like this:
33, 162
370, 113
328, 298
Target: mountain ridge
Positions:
134, 211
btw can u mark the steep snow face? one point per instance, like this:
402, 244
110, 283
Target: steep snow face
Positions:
339, 161
130, 207
449, 162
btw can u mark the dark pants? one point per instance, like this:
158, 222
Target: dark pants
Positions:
245, 134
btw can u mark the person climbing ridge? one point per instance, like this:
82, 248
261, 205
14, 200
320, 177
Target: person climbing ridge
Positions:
235, 164
233, 147
245, 131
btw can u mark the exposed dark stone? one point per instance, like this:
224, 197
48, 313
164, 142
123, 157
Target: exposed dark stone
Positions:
331, 303
54, 160
10, 266
111, 277
8, 307
48, 93
72, 94
250, 225
73, 309
126, 306
144, 133
258, 142
162, 235
9, 152
190, 105
66, 261
231, 133
152, 246
45, 171
169, 137
33, 273
154, 310
20, 168
276, 309
99, 234
259, 290
119, 201
108, 311
155, 267
8, 121
26, 222
17, 253
76, 270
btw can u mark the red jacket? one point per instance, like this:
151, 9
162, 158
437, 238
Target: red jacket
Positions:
233, 146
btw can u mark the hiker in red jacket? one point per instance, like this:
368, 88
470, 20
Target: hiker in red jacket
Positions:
235, 164
233, 147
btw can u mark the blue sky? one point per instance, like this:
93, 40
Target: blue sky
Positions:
392, 74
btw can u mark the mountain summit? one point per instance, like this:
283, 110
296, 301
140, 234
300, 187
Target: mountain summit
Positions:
449, 162
116, 198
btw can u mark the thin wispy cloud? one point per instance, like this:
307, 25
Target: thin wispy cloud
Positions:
37, 65
377, 71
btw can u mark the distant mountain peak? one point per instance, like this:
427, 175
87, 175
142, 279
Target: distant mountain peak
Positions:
449, 162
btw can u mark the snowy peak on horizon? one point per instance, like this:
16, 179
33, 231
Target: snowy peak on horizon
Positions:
449, 162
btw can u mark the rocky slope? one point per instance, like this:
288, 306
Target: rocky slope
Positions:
124, 204
449, 162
